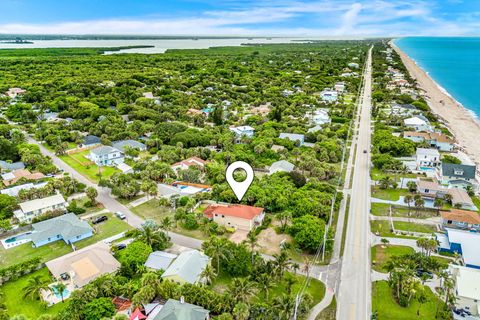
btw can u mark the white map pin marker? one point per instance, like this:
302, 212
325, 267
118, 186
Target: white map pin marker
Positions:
239, 188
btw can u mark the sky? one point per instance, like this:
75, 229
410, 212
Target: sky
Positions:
242, 17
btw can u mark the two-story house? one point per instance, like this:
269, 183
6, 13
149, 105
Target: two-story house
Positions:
418, 123
242, 132
34, 208
456, 175
106, 156
427, 159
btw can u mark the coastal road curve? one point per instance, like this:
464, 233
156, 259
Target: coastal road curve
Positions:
109, 201
354, 296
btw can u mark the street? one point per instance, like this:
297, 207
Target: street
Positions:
354, 296
109, 201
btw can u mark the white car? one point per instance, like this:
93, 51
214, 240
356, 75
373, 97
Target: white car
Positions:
121, 215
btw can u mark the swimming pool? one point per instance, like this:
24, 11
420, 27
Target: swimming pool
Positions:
66, 293
16, 240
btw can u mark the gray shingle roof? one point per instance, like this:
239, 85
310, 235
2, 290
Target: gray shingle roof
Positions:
159, 260
282, 165
103, 150
121, 144
176, 310
292, 136
188, 266
91, 139
452, 170
11, 166
67, 226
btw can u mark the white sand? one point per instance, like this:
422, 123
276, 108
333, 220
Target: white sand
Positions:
459, 120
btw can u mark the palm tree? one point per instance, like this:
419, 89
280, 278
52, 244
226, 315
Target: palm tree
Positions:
438, 203
208, 274
281, 263
166, 224
241, 289
34, 287
241, 311
215, 248
265, 283
155, 238
251, 240
448, 198
284, 305
385, 182
60, 288
408, 199
419, 203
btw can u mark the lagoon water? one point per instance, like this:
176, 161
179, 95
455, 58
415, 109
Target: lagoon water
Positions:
454, 63
160, 45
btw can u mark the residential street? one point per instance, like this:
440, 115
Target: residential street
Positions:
110, 202
354, 297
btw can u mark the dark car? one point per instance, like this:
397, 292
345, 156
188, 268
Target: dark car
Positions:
120, 246
364, 151
421, 272
99, 219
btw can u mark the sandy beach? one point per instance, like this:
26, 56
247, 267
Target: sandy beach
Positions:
459, 120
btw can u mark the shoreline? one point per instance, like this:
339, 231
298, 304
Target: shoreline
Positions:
461, 122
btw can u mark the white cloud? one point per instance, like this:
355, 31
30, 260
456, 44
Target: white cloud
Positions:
325, 17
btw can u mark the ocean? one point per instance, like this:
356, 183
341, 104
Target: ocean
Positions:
454, 63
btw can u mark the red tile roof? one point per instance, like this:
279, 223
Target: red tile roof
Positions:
137, 315
461, 216
192, 161
233, 210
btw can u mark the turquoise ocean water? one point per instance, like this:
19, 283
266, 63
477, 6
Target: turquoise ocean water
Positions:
454, 63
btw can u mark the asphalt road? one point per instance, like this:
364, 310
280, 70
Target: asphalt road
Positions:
354, 297
110, 202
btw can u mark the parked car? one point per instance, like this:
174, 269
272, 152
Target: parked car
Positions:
120, 246
121, 215
421, 272
99, 219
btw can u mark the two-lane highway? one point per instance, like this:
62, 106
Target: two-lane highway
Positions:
354, 296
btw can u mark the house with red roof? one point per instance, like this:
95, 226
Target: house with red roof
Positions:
137, 315
237, 216
190, 162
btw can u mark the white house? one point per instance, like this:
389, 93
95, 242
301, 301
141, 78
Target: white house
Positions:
329, 95
281, 165
106, 156
190, 162
353, 65
241, 132
467, 288
34, 208
320, 117
434, 139
419, 123
427, 158
339, 86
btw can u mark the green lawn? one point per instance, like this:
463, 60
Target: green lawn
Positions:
414, 227
377, 174
315, 288
330, 312
387, 308
152, 211
58, 248
13, 298
85, 167
389, 194
381, 254
382, 227
380, 209
88, 210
